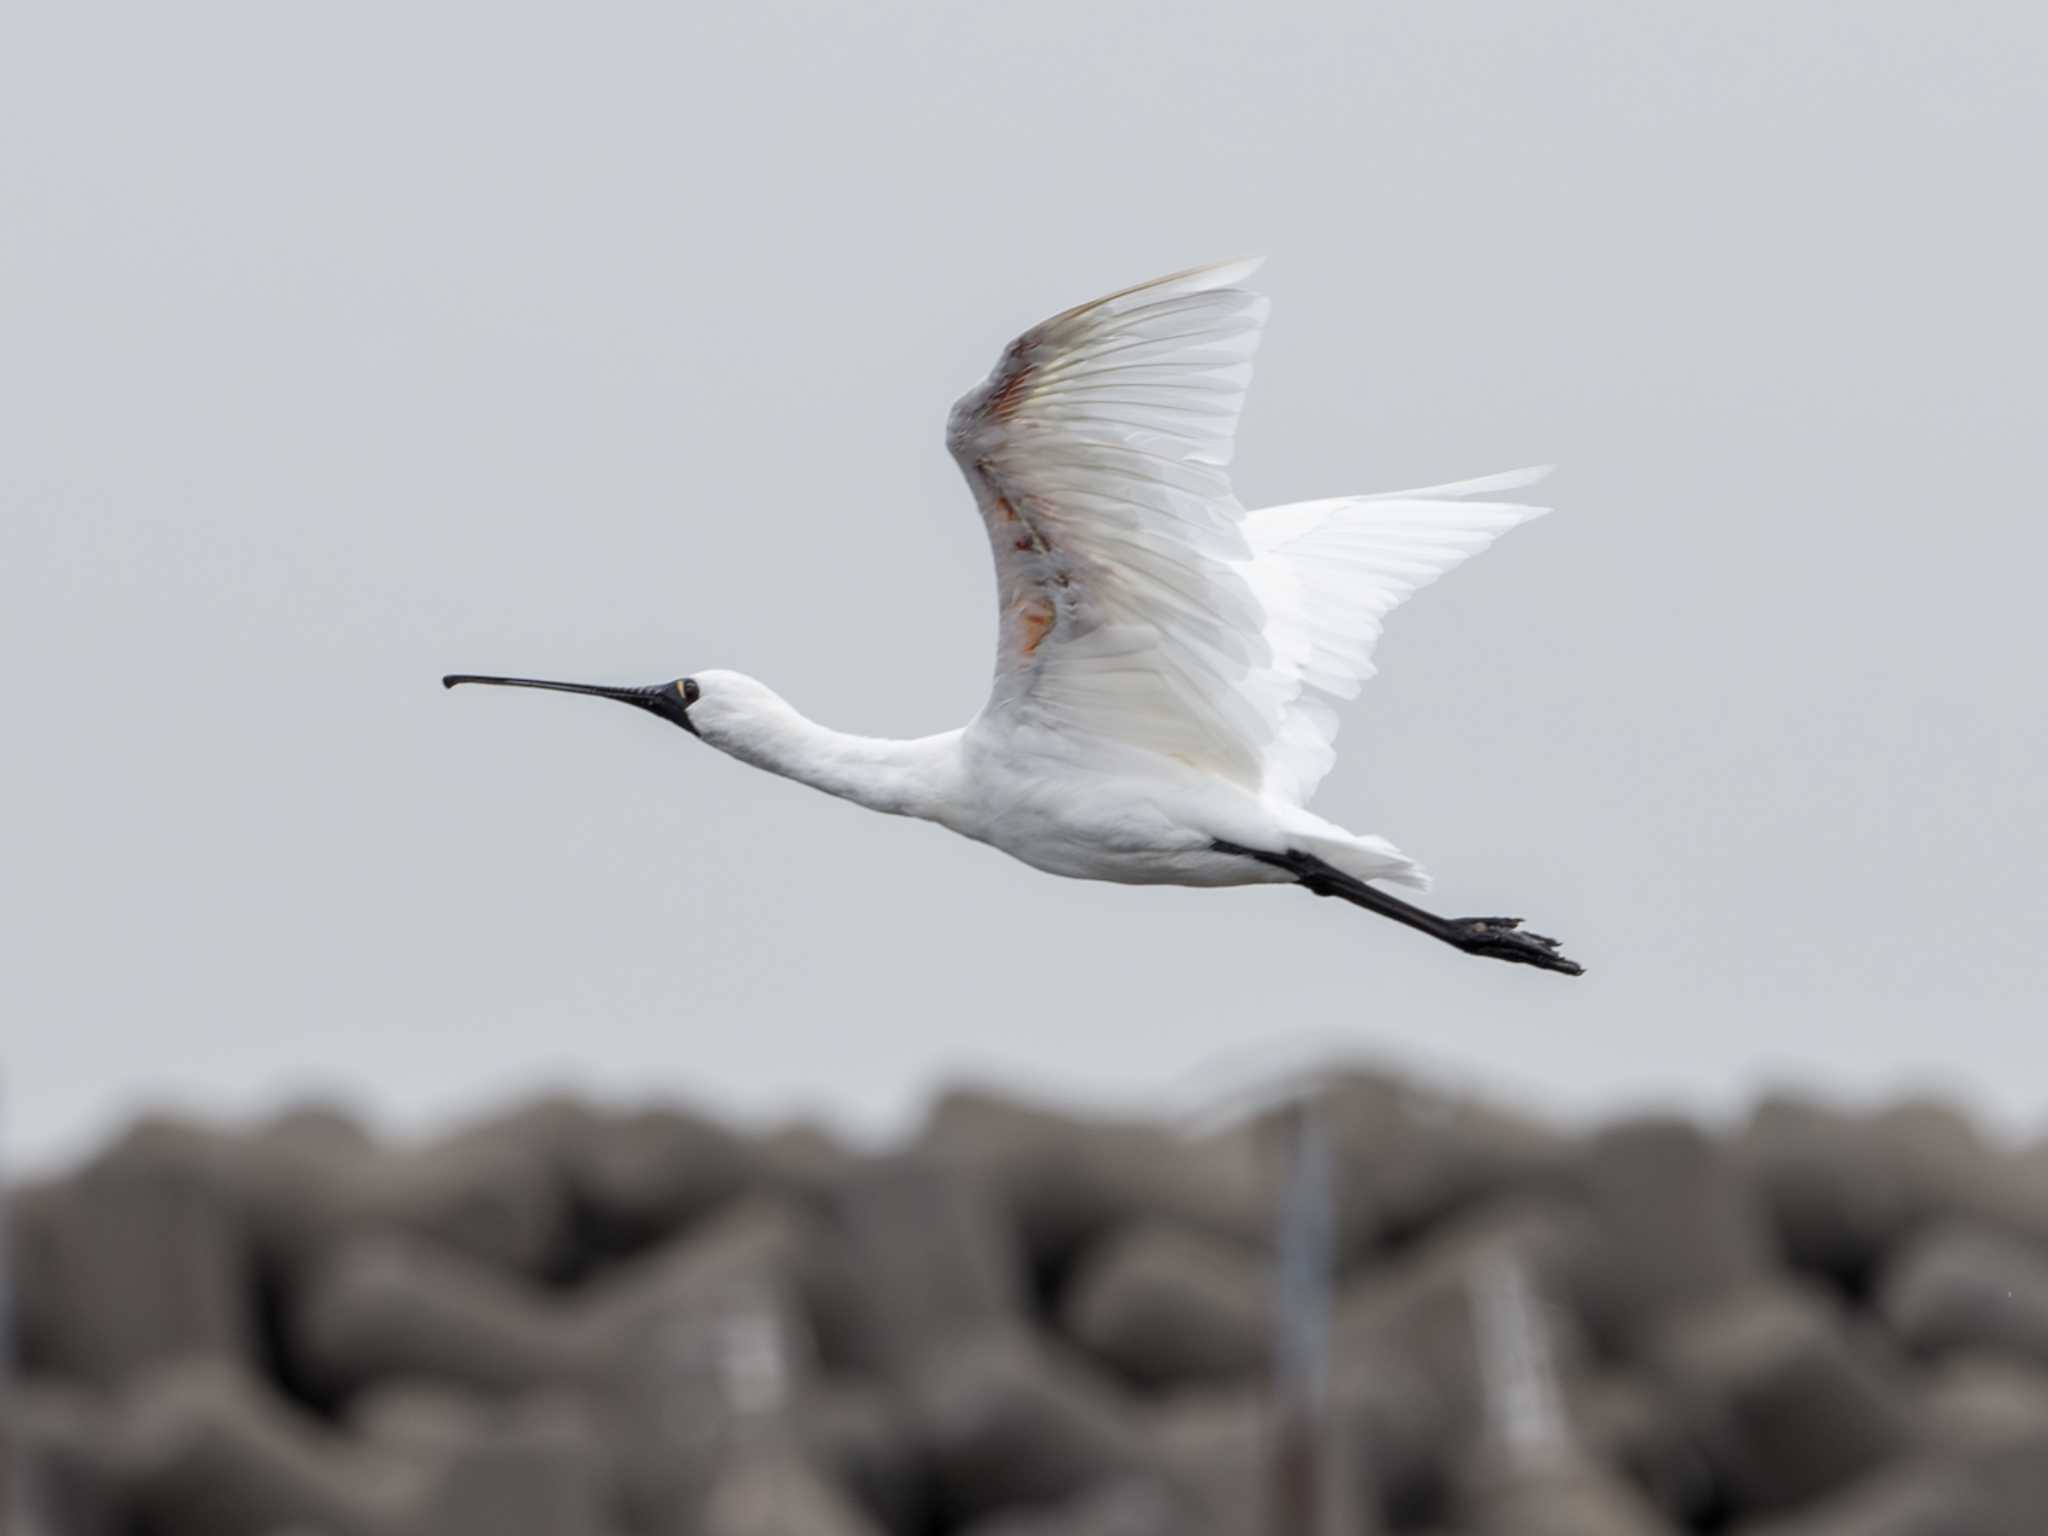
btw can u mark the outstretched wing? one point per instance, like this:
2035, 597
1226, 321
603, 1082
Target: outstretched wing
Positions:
1096, 453
1139, 603
1327, 574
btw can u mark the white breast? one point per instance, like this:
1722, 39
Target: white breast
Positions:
1147, 821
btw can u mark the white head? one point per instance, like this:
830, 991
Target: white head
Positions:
736, 713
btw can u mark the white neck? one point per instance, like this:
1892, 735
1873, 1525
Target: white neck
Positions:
901, 778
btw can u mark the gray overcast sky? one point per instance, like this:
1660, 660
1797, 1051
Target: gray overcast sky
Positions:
340, 347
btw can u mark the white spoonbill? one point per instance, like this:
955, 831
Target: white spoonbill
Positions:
1163, 657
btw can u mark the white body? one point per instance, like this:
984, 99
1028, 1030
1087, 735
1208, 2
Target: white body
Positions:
1164, 657
1131, 817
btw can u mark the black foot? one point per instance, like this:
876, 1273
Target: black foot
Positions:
1504, 938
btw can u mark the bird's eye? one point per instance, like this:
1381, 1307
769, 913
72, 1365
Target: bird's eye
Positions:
691, 692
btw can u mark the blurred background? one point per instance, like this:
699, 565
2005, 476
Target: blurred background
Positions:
443, 1112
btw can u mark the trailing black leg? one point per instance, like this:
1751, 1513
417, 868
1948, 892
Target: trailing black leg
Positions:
1501, 938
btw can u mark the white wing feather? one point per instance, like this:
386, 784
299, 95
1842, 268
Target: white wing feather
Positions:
1139, 604
1095, 451
1327, 574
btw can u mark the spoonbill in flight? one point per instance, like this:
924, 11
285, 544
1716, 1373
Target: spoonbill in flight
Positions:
1163, 656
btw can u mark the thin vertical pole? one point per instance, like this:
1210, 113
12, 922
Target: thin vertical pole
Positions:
13, 1492
1304, 1280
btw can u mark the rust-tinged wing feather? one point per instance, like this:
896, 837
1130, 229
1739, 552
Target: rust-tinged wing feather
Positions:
1096, 454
